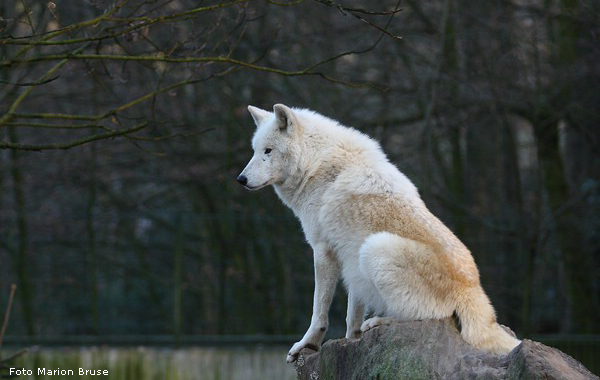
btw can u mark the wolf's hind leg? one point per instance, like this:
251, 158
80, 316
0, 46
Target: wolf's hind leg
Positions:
406, 274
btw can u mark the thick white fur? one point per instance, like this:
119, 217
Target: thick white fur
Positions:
366, 222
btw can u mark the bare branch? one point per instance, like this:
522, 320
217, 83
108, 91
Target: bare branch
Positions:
71, 144
360, 10
134, 23
87, 42
54, 126
37, 83
11, 297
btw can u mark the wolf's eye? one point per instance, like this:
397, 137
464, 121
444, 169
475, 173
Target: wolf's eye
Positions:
268, 150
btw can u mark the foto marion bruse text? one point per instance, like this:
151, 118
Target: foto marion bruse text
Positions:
57, 372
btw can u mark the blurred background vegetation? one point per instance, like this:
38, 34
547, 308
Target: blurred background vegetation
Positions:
123, 125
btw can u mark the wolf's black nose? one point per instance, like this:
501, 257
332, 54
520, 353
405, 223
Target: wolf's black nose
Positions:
242, 180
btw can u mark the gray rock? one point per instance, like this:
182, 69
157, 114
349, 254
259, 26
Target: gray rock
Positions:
431, 349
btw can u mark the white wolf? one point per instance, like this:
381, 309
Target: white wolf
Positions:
365, 221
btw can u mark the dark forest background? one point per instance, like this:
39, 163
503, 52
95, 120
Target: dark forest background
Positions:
123, 125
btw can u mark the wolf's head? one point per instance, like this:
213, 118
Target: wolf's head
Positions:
276, 147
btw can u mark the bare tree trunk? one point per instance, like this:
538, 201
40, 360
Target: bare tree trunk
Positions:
21, 260
579, 284
578, 273
177, 280
92, 254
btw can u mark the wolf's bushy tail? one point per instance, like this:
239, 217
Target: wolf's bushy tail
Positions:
478, 323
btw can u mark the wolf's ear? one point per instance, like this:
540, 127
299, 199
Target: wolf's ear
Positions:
258, 114
286, 119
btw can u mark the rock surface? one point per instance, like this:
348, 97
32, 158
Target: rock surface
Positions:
429, 350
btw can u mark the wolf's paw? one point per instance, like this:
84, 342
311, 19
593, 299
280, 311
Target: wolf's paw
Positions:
297, 347
374, 322
356, 334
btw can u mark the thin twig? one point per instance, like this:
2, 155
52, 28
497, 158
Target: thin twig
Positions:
71, 144
15, 355
13, 108
37, 83
11, 297
344, 8
138, 23
366, 50
157, 58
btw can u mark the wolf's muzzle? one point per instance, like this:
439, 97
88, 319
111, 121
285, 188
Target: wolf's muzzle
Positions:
242, 180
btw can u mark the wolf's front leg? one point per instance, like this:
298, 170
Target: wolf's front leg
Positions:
327, 273
354, 316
